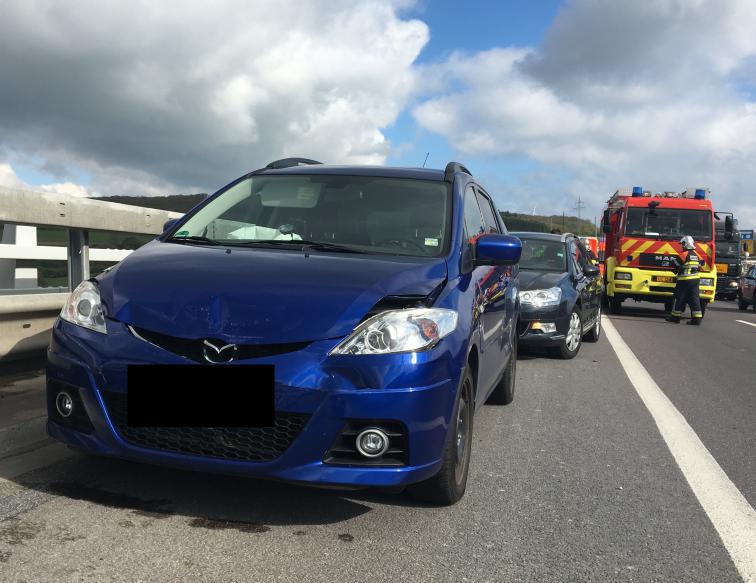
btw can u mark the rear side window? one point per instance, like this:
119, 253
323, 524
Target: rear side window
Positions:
488, 212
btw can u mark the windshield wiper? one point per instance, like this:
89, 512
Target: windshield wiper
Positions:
300, 243
193, 239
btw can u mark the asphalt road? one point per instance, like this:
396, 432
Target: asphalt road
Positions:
572, 482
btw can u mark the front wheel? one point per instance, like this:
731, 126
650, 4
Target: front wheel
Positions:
448, 485
742, 304
753, 302
615, 305
570, 346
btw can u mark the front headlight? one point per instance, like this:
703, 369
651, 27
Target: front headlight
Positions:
541, 298
399, 331
84, 308
623, 275
705, 281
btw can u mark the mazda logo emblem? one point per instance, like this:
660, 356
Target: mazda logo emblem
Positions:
218, 354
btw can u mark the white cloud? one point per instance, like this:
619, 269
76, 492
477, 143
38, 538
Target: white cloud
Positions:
652, 93
10, 179
144, 95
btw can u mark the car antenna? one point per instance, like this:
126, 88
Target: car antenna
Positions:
426, 158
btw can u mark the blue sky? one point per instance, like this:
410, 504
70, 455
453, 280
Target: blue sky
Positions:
544, 101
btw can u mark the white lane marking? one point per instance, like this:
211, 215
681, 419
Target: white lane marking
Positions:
744, 322
727, 509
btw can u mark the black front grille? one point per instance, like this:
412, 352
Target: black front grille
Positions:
257, 444
193, 349
344, 451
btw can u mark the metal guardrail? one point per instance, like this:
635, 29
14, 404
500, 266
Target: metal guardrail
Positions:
78, 215
27, 311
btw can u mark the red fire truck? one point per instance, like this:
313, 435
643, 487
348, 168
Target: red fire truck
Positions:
642, 234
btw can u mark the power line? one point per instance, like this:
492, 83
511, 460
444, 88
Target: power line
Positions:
579, 206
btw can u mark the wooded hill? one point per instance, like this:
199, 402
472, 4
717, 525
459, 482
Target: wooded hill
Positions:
544, 224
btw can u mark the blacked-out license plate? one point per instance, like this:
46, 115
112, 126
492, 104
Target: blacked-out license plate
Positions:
200, 395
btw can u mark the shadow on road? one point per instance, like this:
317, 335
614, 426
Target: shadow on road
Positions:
14, 370
209, 500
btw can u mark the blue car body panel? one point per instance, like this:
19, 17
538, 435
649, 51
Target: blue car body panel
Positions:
253, 295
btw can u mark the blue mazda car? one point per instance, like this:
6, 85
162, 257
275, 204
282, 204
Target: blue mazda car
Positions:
337, 325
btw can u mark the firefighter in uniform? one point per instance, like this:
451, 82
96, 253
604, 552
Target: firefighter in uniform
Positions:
686, 290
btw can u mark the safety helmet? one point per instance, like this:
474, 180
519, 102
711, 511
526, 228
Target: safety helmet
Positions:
687, 242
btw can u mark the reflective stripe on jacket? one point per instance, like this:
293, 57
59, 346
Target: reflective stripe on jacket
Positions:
688, 269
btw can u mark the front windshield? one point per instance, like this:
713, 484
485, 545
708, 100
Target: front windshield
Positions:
728, 248
368, 214
668, 223
542, 255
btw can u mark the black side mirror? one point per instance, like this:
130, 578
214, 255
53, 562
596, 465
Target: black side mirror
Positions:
591, 270
168, 224
729, 227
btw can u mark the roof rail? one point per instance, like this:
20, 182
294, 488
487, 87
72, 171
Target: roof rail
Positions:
452, 168
290, 162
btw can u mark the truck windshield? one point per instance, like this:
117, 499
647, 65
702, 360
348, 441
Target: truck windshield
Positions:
668, 223
366, 214
728, 248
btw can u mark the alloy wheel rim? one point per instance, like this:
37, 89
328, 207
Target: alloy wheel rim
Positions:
573, 334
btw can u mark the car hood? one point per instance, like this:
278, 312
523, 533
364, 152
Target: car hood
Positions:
257, 295
534, 279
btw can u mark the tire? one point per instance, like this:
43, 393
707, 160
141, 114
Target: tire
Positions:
742, 304
668, 305
753, 302
594, 333
448, 486
703, 308
573, 339
615, 305
503, 393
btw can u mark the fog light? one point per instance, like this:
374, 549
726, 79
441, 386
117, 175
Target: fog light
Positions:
372, 442
64, 404
733, 284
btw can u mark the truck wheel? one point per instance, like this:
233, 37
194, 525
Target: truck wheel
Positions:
703, 307
448, 485
615, 305
503, 394
668, 305
742, 304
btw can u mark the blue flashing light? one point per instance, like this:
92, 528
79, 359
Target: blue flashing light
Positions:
637, 191
700, 193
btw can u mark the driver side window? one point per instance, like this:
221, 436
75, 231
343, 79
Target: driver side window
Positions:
474, 226
578, 257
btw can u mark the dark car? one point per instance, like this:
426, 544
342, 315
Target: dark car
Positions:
560, 293
747, 291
